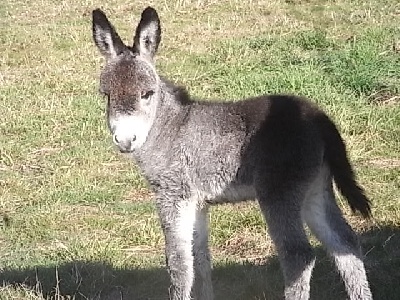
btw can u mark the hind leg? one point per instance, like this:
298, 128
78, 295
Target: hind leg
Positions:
326, 222
282, 214
202, 259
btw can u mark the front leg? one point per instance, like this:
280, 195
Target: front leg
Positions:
202, 259
177, 219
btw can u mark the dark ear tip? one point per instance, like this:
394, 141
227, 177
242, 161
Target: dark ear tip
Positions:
98, 14
149, 12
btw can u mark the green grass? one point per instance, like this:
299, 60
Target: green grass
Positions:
76, 220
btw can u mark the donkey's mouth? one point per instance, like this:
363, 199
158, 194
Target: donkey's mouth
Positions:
125, 151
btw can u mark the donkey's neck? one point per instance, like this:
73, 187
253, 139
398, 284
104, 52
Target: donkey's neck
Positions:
172, 111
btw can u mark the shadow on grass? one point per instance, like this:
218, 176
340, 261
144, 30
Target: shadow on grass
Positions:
94, 280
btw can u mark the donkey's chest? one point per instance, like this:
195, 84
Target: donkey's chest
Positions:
214, 188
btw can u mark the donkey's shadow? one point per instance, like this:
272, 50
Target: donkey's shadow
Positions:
95, 280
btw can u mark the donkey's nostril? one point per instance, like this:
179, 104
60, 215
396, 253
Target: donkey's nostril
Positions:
124, 143
115, 139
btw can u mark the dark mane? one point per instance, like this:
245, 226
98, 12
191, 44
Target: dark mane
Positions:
180, 92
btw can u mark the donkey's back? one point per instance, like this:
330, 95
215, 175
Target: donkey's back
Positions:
227, 147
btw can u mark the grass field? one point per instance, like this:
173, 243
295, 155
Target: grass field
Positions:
76, 220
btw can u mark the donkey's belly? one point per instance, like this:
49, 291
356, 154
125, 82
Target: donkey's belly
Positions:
232, 194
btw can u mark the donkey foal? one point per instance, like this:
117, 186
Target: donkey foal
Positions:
281, 150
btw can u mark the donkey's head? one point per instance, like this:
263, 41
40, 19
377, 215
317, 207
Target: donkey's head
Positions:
129, 79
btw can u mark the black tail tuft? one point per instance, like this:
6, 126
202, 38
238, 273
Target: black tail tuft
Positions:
343, 174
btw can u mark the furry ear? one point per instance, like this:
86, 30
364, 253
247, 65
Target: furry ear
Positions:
105, 36
148, 33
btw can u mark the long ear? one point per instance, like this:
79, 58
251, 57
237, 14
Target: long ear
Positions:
105, 36
148, 33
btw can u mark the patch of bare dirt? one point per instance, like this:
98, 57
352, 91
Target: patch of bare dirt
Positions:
247, 246
138, 195
384, 97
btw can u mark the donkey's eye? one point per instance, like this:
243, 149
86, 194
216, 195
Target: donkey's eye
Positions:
146, 94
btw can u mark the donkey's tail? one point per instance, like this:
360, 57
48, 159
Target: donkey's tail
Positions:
342, 171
